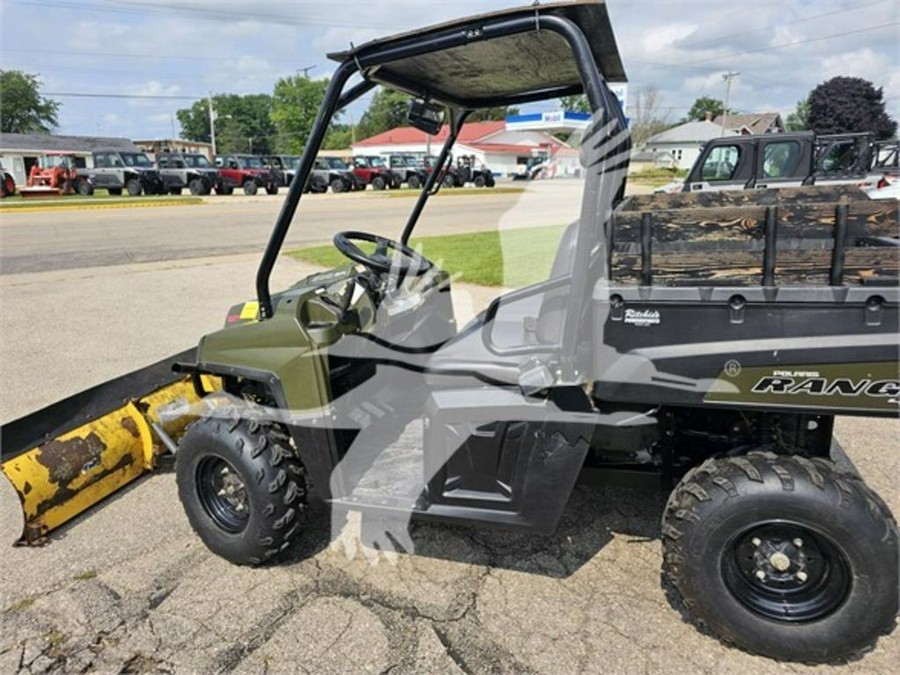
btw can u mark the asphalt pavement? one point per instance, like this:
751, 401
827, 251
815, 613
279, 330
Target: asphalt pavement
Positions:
129, 587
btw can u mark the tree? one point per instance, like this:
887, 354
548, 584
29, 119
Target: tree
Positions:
648, 116
22, 109
704, 106
577, 103
387, 110
849, 104
492, 114
295, 104
243, 123
799, 119
339, 137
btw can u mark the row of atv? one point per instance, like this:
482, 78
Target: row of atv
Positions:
388, 172
134, 173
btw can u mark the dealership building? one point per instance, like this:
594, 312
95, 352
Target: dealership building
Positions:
504, 146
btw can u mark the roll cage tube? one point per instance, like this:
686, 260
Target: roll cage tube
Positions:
456, 122
332, 102
594, 86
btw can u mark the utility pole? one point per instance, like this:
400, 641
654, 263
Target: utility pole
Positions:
212, 125
727, 77
305, 71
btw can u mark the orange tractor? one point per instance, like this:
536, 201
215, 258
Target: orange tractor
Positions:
59, 171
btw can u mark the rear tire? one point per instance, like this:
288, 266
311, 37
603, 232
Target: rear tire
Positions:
271, 189
134, 187
242, 488
414, 182
783, 556
378, 183
448, 181
84, 188
250, 188
175, 191
479, 182
225, 190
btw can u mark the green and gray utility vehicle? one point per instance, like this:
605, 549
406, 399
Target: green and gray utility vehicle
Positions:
701, 341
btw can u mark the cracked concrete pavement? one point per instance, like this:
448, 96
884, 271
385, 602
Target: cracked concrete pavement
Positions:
129, 587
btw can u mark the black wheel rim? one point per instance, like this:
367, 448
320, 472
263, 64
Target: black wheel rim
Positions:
786, 572
223, 494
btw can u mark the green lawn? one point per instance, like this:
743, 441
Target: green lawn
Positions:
513, 258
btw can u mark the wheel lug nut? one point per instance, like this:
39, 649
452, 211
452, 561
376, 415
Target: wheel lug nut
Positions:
760, 575
756, 541
801, 576
798, 542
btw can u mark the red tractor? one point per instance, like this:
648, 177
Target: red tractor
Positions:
59, 171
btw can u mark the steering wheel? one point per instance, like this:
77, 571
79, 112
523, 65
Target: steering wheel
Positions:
380, 261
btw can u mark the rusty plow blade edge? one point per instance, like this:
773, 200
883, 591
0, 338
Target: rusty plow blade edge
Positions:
65, 458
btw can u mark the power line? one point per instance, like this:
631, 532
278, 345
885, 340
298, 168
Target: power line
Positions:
126, 96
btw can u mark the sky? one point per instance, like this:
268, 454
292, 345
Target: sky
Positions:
156, 49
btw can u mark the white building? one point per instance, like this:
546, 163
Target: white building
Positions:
685, 141
504, 152
19, 152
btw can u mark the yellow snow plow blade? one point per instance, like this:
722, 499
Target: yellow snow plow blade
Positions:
65, 458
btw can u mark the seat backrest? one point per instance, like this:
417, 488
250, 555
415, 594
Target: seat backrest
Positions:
550, 319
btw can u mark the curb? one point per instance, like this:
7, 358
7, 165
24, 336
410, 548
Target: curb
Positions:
44, 208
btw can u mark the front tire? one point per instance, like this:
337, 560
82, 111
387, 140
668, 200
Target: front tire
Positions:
134, 187
414, 182
198, 188
783, 556
242, 488
337, 186
378, 183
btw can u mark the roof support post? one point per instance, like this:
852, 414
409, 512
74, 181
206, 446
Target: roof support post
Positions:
317, 135
457, 119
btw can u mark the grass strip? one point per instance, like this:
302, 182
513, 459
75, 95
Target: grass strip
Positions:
509, 258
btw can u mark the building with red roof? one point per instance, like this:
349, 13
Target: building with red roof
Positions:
505, 152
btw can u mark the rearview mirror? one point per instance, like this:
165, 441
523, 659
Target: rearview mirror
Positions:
426, 117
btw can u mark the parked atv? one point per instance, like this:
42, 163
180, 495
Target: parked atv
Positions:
118, 170
7, 183
194, 172
336, 174
372, 170
408, 170
248, 172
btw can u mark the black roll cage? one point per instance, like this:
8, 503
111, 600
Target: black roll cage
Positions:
366, 61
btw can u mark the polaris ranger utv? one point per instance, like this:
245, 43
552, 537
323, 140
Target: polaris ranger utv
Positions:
707, 339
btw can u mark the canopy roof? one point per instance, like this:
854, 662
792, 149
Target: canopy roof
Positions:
512, 68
